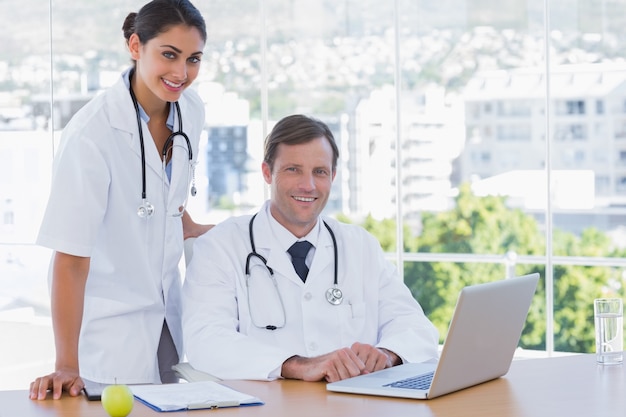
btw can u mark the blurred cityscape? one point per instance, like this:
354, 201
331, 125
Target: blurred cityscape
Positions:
471, 108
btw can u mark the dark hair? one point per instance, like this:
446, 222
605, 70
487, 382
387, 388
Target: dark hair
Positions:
296, 129
158, 16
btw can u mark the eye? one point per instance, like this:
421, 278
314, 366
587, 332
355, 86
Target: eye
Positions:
169, 55
195, 60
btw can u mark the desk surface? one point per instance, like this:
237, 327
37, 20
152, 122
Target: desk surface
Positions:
572, 386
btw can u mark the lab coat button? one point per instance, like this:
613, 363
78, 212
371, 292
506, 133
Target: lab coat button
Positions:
313, 346
308, 296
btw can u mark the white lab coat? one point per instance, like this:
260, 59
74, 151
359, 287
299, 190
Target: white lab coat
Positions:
134, 281
219, 333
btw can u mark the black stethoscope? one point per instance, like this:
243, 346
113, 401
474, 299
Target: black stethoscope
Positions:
146, 209
333, 295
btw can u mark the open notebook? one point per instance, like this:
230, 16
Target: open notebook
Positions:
484, 332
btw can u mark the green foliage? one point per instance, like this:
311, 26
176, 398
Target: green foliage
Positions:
486, 226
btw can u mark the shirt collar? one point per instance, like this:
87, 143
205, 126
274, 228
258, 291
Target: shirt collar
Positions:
284, 237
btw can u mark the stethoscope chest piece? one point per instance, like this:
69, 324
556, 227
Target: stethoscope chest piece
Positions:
146, 209
334, 296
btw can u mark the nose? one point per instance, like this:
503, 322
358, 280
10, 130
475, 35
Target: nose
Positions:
307, 182
179, 70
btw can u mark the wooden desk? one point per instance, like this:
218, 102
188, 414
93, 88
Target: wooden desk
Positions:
565, 386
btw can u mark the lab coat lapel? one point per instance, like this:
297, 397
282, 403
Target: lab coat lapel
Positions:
324, 258
277, 258
124, 118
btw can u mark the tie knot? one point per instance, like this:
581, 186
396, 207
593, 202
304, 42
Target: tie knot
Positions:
300, 249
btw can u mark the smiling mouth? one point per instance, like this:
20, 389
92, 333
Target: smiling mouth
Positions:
304, 199
171, 84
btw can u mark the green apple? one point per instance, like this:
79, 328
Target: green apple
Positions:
117, 400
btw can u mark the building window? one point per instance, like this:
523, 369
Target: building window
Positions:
570, 107
570, 132
514, 133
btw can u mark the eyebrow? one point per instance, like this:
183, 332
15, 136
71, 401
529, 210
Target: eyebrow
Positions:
180, 51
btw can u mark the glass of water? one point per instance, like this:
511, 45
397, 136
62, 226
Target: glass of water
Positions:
609, 325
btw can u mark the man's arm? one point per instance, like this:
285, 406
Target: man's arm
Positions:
375, 358
360, 358
334, 366
211, 305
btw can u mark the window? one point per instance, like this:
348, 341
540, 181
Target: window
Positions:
514, 108
570, 132
513, 132
441, 74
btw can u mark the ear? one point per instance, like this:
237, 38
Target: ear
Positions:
134, 46
267, 172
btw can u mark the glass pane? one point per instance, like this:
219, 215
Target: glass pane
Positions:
332, 60
436, 285
26, 147
230, 85
473, 136
587, 120
575, 288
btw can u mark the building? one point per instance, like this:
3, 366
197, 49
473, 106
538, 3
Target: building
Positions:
506, 125
505, 114
431, 138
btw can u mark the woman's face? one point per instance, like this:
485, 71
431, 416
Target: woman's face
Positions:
167, 63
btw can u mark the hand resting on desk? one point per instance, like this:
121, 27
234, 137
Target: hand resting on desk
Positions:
65, 379
340, 364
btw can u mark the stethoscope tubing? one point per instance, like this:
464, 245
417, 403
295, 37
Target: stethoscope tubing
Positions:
262, 258
146, 209
333, 295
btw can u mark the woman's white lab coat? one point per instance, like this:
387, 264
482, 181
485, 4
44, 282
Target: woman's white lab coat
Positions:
220, 316
133, 282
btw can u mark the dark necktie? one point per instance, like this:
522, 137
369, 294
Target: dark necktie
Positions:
298, 252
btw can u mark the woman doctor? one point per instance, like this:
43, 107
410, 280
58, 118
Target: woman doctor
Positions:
116, 215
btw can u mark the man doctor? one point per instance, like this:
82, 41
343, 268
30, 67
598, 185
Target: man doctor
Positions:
247, 314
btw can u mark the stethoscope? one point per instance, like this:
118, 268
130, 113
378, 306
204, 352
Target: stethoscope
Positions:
146, 209
333, 295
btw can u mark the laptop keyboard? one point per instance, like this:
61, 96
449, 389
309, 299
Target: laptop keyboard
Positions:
416, 382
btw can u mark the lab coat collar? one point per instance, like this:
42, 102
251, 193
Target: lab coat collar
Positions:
266, 240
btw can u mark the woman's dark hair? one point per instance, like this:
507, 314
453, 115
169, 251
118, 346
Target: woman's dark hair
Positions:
296, 129
158, 16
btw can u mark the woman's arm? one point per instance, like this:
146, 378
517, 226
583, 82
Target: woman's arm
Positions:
67, 301
193, 229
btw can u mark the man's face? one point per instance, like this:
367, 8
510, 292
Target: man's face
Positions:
300, 183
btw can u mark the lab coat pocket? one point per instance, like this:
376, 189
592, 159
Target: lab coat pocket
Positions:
352, 321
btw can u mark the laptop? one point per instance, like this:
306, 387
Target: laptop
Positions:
482, 338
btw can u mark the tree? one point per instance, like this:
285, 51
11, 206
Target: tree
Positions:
485, 225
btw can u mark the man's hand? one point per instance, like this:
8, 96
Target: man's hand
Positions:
334, 366
62, 380
374, 358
